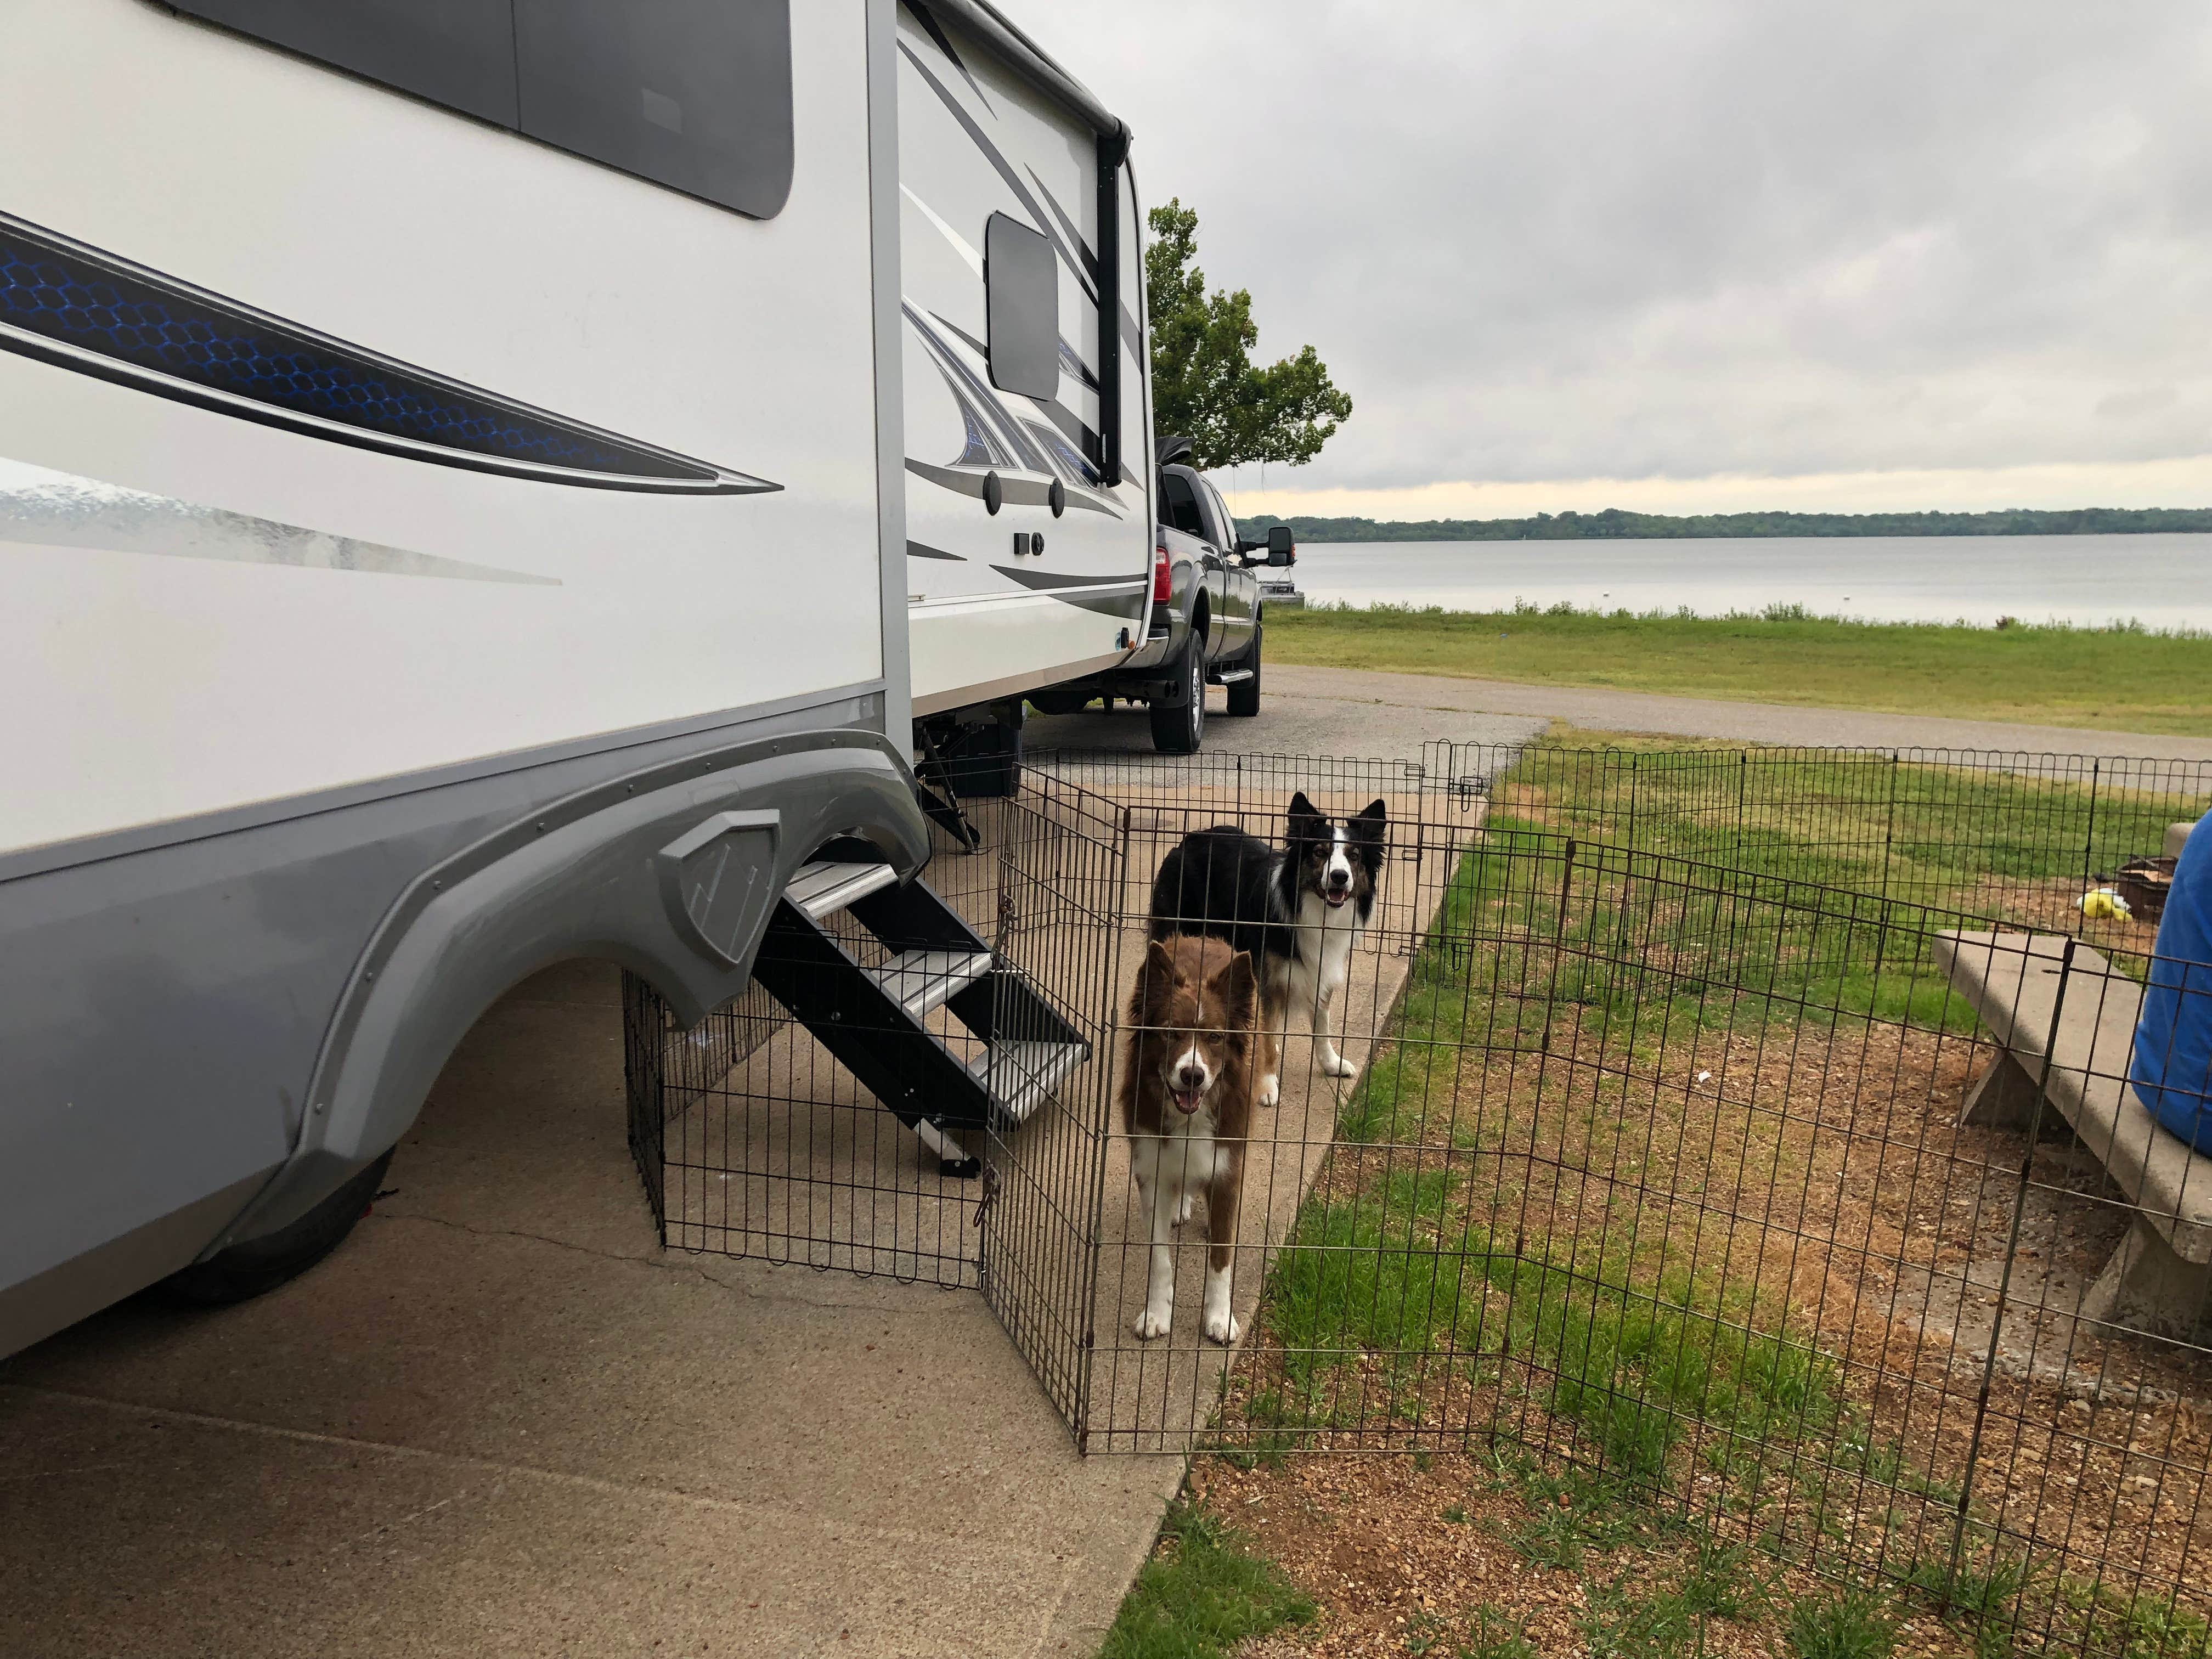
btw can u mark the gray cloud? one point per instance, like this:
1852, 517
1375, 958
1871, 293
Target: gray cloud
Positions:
1558, 239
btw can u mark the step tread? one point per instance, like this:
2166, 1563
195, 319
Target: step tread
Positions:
919, 981
822, 889
1020, 1076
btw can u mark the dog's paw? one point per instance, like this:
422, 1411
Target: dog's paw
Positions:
1153, 1322
1337, 1065
1182, 1208
1271, 1088
1221, 1327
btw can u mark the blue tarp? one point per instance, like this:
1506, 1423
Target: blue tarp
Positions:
2173, 1067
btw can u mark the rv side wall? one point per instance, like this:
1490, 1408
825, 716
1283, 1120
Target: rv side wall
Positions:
330, 720
1004, 601
353, 615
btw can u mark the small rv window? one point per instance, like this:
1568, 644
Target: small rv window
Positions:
459, 54
1021, 286
691, 94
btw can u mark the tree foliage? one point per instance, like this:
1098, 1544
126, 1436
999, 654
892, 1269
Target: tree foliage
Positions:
1204, 380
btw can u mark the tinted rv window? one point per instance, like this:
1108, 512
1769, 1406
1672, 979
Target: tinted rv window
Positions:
691, 94
694, 95
1021, 285
456, 53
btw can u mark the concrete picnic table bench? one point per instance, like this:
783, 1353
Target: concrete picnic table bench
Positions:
2159, 1276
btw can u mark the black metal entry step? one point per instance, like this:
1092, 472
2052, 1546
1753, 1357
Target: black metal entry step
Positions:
872, 1019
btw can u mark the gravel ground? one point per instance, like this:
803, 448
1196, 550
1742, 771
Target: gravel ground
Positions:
1395, 701
1346, 711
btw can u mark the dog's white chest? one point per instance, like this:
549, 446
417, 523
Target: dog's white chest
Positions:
1186, 1156
1325, 934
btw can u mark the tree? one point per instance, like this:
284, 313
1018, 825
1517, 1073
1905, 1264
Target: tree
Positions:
1204, 380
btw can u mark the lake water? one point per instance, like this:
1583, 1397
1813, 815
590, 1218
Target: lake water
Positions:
2163, 580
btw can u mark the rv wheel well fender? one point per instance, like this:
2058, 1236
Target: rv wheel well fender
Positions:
670, 873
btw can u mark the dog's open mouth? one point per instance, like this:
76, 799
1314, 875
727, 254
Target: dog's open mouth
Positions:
1336, 899
1188, 1100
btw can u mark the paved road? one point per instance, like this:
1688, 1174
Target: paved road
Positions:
1302, 719
1343, 711
1438, 697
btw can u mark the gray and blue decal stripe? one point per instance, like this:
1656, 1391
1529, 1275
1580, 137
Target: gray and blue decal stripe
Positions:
1069, 423
1108, 596
81, 308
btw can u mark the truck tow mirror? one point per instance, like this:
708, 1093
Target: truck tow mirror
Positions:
1281, 549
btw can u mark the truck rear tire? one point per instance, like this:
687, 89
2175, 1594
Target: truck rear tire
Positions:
247, 1269
1244, 694
1178, 729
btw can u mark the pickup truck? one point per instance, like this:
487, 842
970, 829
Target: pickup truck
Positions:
1203, 621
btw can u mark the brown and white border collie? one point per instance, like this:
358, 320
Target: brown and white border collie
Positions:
1297, 910
1187, 1105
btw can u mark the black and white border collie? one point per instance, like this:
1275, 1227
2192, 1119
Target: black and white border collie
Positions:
1298, 909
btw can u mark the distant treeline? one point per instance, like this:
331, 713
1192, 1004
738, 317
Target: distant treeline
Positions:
1613, 524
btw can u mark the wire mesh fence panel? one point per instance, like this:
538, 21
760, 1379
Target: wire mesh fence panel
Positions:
2018, 837
1059, 852
1749, 1129
1687, 1176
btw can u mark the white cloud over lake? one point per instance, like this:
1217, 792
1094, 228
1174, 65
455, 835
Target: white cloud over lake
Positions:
1561, 242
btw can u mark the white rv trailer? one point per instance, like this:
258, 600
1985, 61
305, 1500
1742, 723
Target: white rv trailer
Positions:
473, 474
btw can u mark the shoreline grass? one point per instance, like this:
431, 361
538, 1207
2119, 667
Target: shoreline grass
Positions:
2118, 677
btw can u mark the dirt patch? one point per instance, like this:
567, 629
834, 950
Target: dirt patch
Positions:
1407, 1559
1808, 1183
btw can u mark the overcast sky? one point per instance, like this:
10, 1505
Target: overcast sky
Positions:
1703, 255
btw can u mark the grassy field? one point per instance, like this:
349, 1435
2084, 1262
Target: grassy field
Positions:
2114, 679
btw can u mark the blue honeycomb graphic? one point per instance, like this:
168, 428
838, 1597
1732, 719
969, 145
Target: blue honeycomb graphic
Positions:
65, 296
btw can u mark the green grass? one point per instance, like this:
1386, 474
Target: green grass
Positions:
1844, 819
1851, 1624
1709, 892
2114, 679
1201, 1596
1491, 1635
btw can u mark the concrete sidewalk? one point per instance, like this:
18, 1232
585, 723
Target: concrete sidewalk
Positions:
501, 1420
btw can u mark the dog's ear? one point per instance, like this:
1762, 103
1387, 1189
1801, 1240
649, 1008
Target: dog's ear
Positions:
1367, 832
1155, 981
1235, 989
1303, 815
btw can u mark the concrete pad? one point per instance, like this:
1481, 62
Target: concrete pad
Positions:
636, 1445
138, 1532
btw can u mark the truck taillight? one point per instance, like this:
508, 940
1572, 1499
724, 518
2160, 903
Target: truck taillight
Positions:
1163, 578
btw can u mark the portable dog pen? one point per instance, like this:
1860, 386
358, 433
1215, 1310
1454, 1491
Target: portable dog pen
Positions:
1654, 1163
